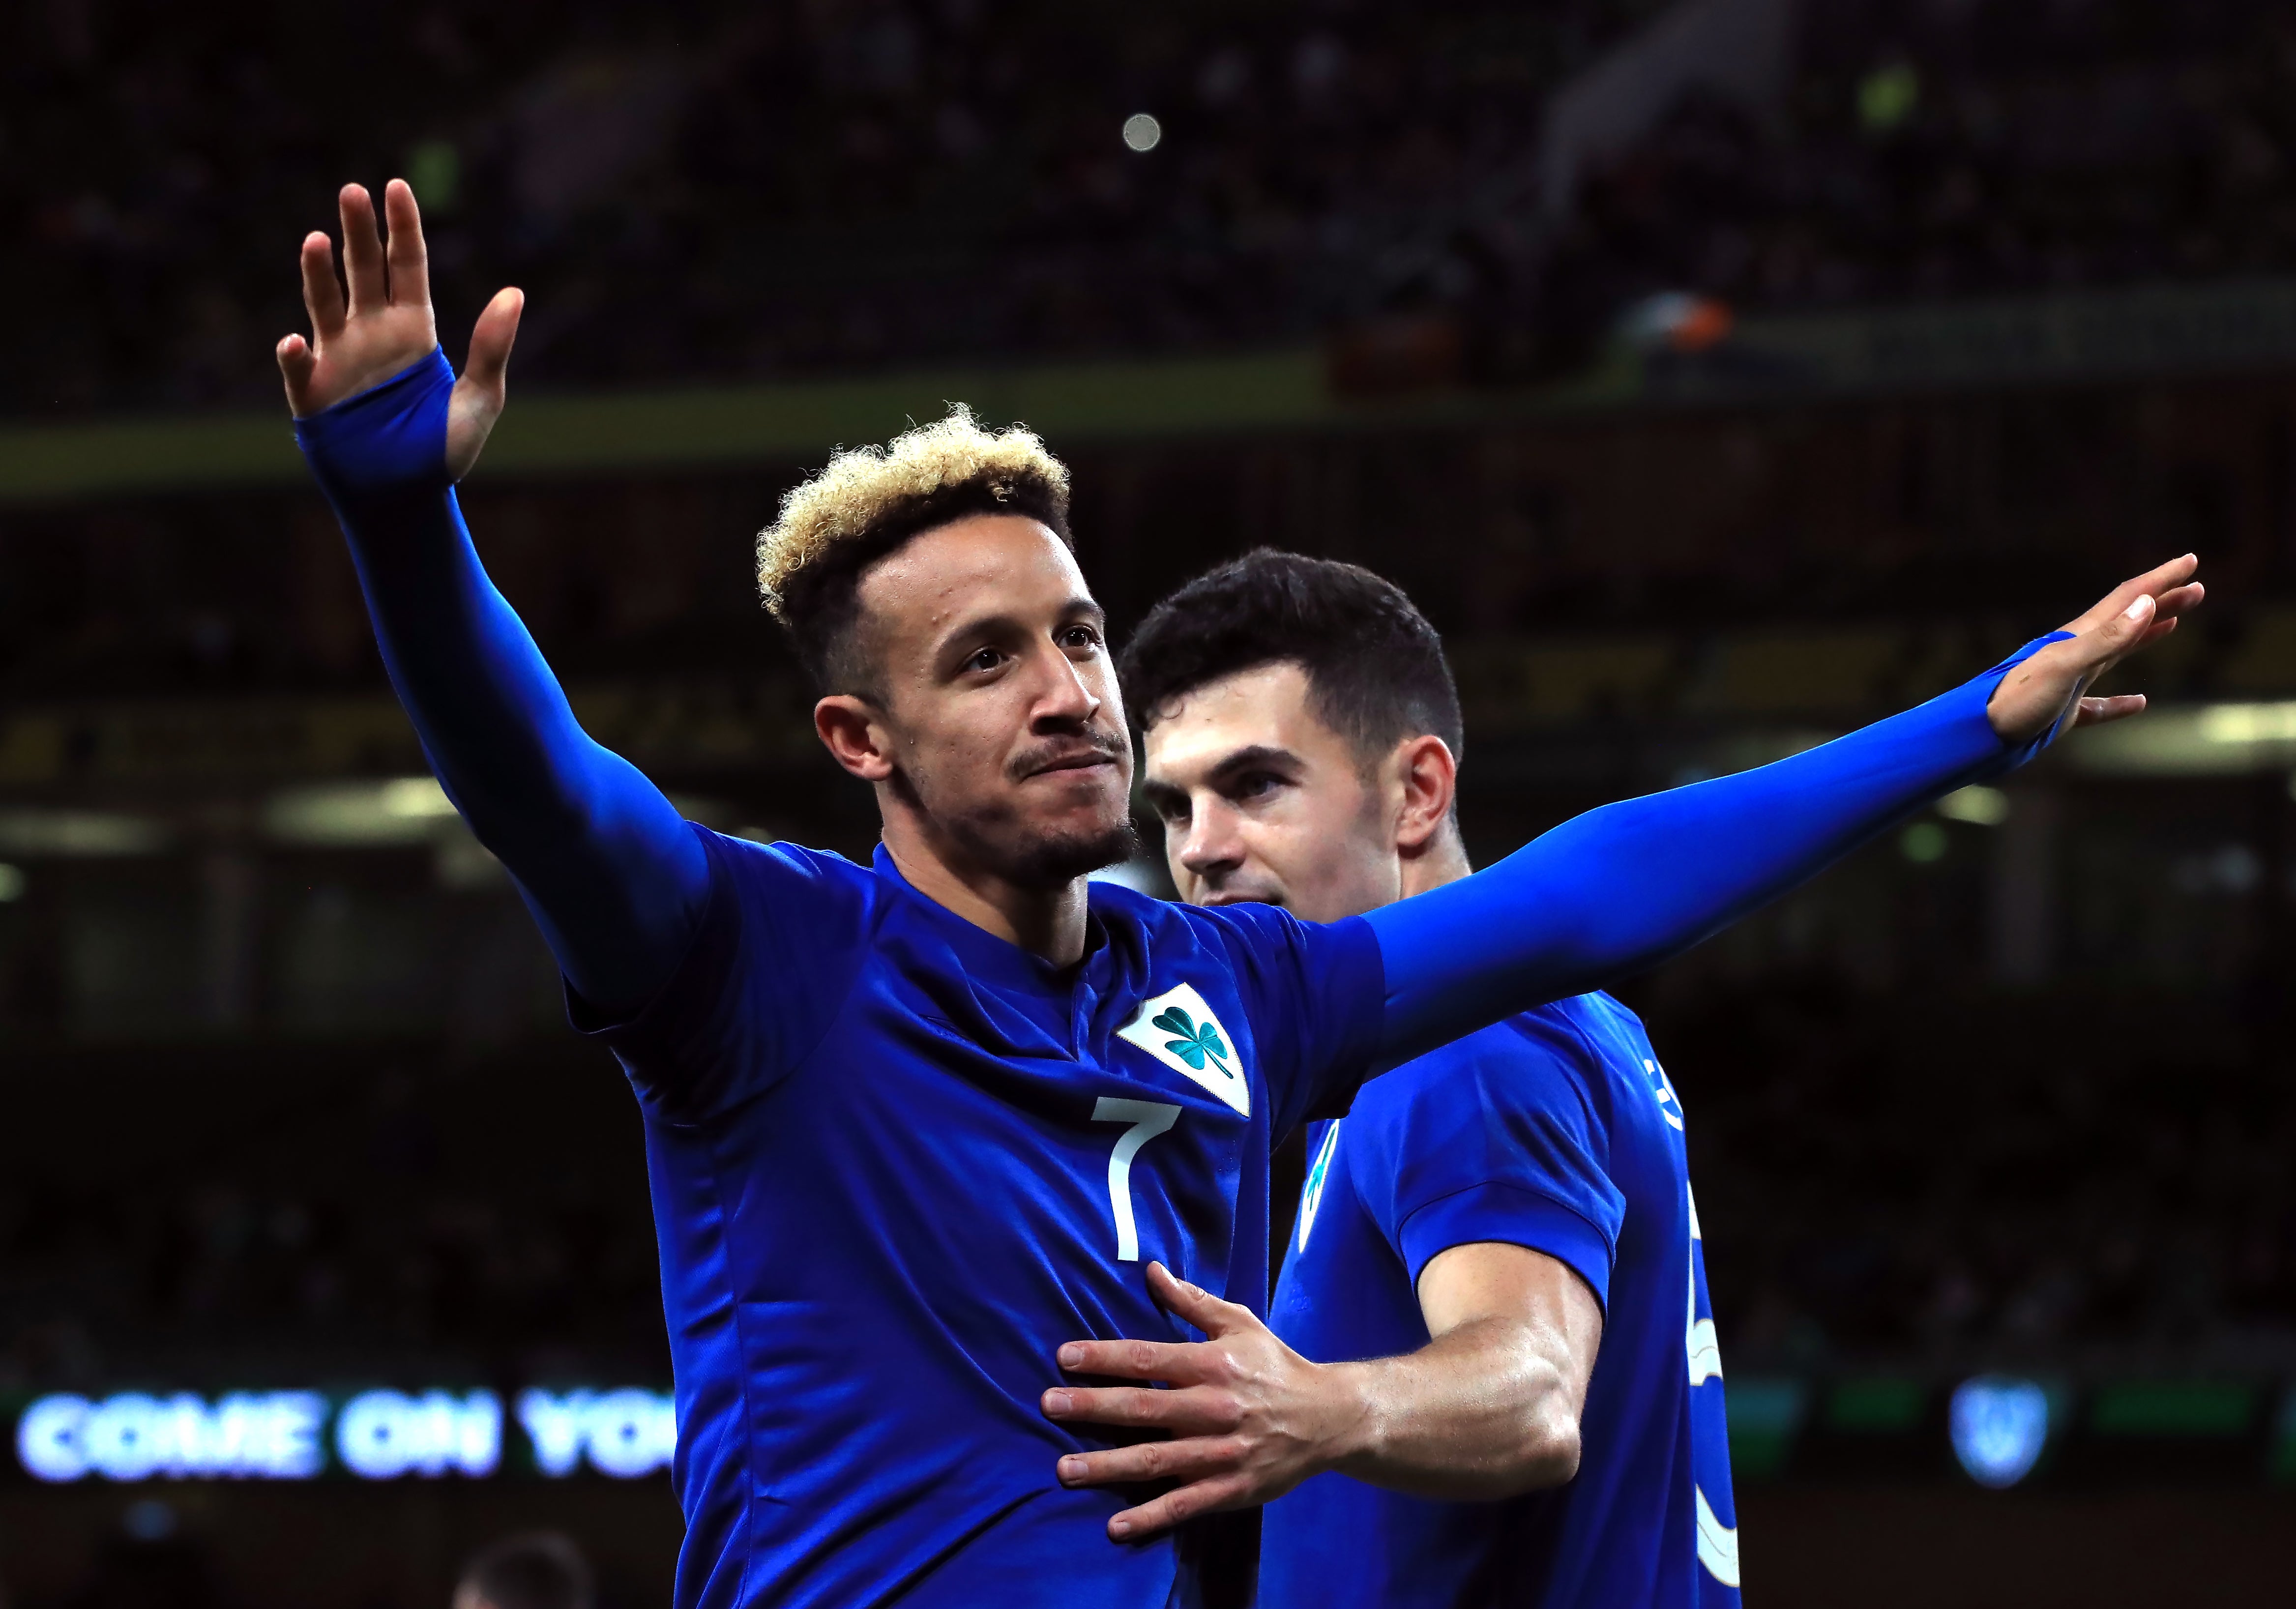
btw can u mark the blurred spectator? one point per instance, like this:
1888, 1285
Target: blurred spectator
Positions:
541, 1570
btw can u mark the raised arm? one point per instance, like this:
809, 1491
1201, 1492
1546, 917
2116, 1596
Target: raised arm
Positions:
615, 879
1619, 888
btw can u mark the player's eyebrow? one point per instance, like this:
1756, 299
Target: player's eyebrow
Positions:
1250, 757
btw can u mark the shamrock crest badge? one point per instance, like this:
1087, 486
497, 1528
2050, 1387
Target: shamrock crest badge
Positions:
1179, 1029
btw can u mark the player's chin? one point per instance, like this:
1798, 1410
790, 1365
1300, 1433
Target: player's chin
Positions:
1062, 849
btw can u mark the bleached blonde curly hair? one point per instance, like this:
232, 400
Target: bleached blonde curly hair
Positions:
868, 501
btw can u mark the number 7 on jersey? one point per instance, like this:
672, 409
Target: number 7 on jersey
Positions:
1148, 1119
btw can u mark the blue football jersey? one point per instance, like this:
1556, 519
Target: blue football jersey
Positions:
1558, 1130
896, 1161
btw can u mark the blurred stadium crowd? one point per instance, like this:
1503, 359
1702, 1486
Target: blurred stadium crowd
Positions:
1943, 148
706, 191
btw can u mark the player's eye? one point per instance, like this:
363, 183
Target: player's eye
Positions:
984, 658
1258, 784
1080, 637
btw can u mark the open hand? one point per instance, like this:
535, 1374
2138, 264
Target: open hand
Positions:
388, 324
2134, 614
1249, 1417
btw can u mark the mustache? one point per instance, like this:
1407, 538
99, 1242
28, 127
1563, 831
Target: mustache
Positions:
1067, 751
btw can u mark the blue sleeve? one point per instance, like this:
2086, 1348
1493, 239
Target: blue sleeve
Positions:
615, 879
781, 938
1616, 891
1491, 1138
1313, 993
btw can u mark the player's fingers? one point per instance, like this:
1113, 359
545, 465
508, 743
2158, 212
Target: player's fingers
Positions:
2096, 711
1197, 1305
491, 339
2158, 630
1177, 1361
2153, 583
1116, 1405
296, 363
2181, 600
1191, 1460
410, 262
2098, 649
362, 251
323, 294
1202, 1496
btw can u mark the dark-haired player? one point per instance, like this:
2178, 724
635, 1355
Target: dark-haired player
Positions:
1495, 1250
908, 1124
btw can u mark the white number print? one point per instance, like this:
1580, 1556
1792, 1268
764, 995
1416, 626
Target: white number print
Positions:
1148, 1119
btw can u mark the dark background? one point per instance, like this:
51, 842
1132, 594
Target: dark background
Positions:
2005, 1095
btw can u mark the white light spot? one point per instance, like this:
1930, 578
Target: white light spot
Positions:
1141, 132
1976, 804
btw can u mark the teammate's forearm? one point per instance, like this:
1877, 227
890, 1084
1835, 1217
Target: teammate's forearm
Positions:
1479, 1413
613, 877
1616, 891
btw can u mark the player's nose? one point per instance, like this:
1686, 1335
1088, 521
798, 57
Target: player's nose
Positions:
1065, 698
1212, 846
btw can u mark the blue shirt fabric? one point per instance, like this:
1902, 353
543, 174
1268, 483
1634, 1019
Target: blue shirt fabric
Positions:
1556, 1130
883, 1149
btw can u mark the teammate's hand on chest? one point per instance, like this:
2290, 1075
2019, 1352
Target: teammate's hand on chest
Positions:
1249, 1417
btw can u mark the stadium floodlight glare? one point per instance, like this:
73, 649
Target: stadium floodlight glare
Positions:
359, 815
1141, 132
1977, 804
2249, 724
30, 832
2000, 1426
415, 798
2206, 740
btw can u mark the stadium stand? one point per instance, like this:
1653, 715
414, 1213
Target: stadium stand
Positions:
1928, 151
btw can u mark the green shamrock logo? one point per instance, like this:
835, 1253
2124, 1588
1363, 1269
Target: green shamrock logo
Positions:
1191, 1043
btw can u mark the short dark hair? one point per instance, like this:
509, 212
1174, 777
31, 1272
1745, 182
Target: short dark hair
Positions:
539, 1570
1375, 669
868, 503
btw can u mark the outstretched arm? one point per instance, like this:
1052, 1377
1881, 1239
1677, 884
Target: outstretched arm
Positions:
616, 880
1618, 890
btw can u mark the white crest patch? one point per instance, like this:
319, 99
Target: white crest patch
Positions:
1179, 1030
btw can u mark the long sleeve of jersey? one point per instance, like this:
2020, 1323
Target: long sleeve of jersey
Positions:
1618, 890
616, 880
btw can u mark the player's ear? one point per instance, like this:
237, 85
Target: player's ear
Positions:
853, 730
1430, 781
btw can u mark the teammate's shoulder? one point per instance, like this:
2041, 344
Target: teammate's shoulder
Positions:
1598, 1014
1571, 1036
